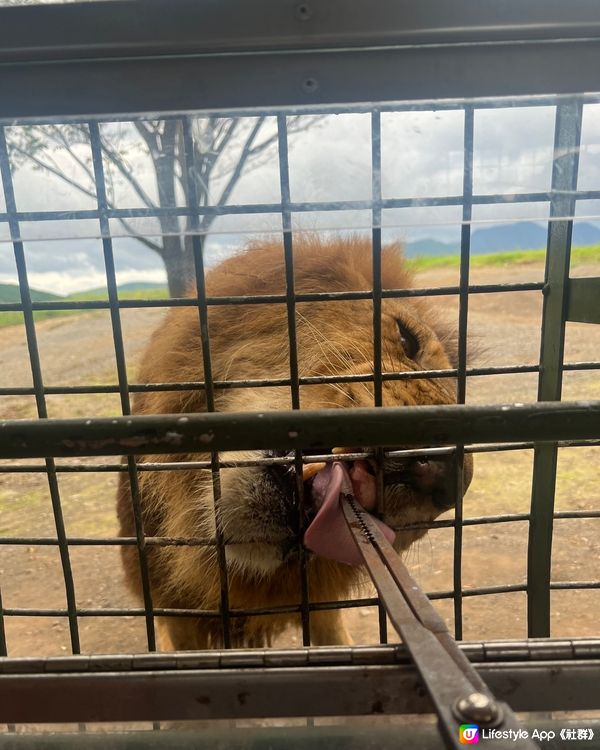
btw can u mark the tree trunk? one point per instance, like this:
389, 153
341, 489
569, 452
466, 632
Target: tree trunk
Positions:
179, 262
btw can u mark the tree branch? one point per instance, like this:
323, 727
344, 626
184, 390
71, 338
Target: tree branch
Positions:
235, 175
144, 240
118, 161
55, 171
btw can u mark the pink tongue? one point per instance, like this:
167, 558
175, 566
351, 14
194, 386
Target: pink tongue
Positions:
328, 535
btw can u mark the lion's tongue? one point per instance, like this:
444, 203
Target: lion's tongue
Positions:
328, 535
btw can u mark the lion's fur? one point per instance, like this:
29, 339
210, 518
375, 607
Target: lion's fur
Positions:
251, 341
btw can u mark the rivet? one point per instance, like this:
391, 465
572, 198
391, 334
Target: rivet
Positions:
303, 12
478, 707
310, 85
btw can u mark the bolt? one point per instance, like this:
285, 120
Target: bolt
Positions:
479, 708
303, 12
310, 85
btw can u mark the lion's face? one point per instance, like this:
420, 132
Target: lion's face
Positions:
259, 505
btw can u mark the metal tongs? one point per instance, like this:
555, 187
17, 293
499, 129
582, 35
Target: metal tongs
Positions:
459, 695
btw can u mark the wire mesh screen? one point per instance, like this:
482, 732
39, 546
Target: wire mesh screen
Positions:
109, 204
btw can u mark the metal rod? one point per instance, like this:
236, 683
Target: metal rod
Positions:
36, 374
376, 247
198, 253
564, 180
406, 425
290, 299
121, 366
461, 385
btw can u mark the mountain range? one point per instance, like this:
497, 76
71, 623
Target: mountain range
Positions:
524, 235
81, 260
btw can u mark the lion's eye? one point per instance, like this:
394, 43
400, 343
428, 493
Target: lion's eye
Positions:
410, 343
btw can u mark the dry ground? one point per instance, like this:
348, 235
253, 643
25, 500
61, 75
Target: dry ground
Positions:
78, 350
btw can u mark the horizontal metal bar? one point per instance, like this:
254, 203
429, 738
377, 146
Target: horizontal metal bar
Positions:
63, 390
60, 88
297, 207
290, 735
269, 299
487, 103
13, 468
251, 692
225, 46
509, 588
532, 649
374, 427
271, 208
186, 542
230, 27
270, 382
190, 612
583, 303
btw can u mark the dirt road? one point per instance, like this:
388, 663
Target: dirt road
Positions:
504, 329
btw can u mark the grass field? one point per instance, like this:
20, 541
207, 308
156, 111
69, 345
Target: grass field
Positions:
9, 293
578, 255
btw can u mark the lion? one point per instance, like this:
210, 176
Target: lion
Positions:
258, 506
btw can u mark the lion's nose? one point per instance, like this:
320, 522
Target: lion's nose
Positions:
434, 477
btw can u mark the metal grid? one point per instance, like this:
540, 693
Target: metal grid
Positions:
35, 440
355, 55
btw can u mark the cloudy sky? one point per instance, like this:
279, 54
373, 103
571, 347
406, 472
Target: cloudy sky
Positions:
422, 155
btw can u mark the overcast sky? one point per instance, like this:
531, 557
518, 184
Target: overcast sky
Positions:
422, 155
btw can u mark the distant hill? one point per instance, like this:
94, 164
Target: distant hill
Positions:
10, 293
133, 287
524, 235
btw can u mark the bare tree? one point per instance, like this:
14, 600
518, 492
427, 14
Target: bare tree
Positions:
223, 148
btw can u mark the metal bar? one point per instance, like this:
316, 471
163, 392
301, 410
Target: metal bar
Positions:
38, 385
195, 542
564, 181
376, 297
241, 64
410, 105
510, 588
376, 264
429, 425
121, 366
582, 300
12, 468
461, 385
290, 300
114, 212
231, 28
270, 299
320, 737
293, 691
565, 650
315, 380
3, 649
298, 691
198, 253
61, 88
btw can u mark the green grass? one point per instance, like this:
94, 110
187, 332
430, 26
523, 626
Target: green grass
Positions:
158, 292
513, 257
10, 293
